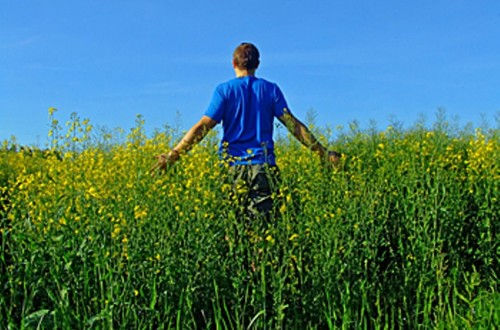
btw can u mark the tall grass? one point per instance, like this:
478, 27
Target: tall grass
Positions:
402, 236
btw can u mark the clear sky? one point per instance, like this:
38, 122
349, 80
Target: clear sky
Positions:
348, 60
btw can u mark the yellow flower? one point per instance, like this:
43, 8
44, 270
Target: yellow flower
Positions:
92, 191
140, 213
52, 110
116, 231
270, 239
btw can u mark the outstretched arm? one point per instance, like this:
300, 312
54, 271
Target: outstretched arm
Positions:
192, 137
304, 135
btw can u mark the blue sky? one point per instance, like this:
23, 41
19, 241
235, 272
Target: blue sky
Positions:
348, 60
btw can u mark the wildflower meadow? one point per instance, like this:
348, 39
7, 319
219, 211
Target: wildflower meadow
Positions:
401, 235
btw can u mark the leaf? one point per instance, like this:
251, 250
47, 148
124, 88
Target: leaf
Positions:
99, 317
36, 315
463, 298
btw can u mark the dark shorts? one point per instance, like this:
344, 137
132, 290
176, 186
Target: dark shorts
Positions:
255, 187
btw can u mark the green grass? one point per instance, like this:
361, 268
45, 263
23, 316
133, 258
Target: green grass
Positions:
404, 236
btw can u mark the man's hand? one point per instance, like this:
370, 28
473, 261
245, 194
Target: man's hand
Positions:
333, 157
163, 160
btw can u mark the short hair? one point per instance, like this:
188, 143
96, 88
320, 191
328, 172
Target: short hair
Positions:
246, 56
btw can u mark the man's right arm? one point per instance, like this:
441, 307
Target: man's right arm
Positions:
304, 135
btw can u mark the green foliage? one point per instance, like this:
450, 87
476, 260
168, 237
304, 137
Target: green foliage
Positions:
402, 235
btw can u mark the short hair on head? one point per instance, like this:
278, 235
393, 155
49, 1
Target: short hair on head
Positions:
246, 56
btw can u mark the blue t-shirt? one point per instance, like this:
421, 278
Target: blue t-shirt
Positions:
246, 107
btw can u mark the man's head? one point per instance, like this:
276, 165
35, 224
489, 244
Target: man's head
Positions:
246, 57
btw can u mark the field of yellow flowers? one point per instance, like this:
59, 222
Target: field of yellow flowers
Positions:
402, 235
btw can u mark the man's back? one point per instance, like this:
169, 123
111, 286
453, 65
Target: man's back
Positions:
246, 106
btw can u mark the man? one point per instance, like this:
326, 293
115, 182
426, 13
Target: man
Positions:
246, 106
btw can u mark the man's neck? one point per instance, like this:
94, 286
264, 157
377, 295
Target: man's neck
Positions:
244, 73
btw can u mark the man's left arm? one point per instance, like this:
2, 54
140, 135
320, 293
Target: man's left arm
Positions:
191, 138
